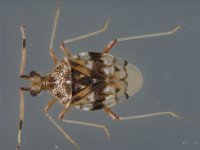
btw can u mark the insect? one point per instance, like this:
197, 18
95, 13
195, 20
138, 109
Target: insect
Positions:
88, 81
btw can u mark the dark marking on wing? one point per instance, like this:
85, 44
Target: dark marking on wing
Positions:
85, 91
85, 81
98, 68
97, 105
95, 55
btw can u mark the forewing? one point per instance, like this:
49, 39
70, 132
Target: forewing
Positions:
120, 80
101, 97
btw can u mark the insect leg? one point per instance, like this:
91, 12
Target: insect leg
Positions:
51, 51
50, 103
174, 30
89, 124
62, 131
56, 125
23, 60
21, 119
113, 42
115, 117
88, 35
65, 50
21, 92
109, 46
66, 108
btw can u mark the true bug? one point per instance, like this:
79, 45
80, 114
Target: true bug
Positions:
88, 81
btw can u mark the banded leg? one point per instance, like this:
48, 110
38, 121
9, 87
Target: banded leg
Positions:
116, 117
50, 103
21, 92
23, 60
113, 42
51, 51
21, 119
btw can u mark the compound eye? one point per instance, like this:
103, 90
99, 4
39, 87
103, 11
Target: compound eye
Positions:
33, 93
32, 74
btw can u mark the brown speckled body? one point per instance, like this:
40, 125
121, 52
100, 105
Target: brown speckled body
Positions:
59, 82
91, 80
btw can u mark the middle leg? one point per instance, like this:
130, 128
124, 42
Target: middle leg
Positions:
66, 51
67, 106
89, 124
51, 102
88, 35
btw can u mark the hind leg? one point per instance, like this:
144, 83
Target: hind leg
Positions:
115, 41
116, 117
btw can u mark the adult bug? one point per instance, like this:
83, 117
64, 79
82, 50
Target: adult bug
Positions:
88, 81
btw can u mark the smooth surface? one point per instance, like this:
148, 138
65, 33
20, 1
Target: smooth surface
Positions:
170, 66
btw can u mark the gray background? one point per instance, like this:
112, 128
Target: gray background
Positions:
170, 67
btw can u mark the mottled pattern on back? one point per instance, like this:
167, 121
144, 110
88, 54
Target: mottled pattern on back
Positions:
60, 81
98, 80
